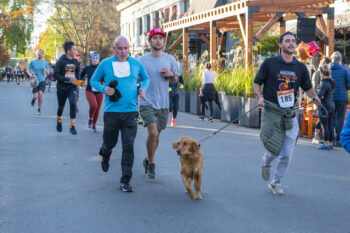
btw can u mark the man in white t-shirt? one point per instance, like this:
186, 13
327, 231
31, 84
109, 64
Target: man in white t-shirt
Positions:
161, 67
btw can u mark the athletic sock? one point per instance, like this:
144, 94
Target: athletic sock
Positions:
59, 119
72, 122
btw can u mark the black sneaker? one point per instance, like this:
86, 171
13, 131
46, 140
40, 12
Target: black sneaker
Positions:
145, 165
151, 171
105, 164
126, 187
39, 111
59, 127
72, 130
33, 102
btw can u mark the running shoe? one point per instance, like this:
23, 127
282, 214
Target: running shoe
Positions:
276, 188
140, 121
90, 123
72, 130
324, 147
151, 171
39, 111
201, 118
337, 144
105, 164
33, 102
126, 187
94, 128
173, 122
210, 120
59, 127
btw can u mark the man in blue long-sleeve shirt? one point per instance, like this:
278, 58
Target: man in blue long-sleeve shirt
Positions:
122, 114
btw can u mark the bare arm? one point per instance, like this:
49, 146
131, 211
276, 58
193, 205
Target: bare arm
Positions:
257, 90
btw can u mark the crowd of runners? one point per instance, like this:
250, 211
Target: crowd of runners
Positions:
147, 87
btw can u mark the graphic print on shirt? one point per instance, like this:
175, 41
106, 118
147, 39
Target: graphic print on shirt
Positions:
285, 95
70, 71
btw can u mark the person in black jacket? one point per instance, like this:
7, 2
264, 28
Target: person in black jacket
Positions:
66, 73
326, 93
93, 97
174, 98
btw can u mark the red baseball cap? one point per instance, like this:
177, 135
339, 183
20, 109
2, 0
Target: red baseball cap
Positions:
155, 31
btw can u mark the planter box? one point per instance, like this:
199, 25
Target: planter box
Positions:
251, 120
230, 107
194, 102
182, 100
187, 101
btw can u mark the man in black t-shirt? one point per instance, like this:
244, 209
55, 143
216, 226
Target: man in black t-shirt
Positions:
281, 78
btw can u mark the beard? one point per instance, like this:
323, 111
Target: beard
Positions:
156, 48
286, 51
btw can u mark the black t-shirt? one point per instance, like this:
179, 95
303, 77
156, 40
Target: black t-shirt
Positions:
279, 76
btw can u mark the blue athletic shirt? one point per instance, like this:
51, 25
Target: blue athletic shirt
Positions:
37, 67
127, 85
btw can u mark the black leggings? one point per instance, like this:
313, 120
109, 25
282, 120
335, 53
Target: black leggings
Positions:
62, 96
174, 104
327, 125
204, 99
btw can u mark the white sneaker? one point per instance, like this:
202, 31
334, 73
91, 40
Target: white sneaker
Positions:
276, 188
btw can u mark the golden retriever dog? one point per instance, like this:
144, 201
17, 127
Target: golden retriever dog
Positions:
192, 162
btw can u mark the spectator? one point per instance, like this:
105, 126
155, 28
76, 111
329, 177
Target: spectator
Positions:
342, 80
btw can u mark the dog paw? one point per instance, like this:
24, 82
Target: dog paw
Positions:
198, 196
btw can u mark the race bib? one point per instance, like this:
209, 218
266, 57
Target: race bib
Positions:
69, 74
121, 69
286, 98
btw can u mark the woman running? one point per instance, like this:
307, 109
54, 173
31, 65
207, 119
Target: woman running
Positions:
92, 95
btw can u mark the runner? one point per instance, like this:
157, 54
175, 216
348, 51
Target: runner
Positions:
92, 95
49, 77
174, 98
38, 67
120, 73
161, 67
66, 72
281, 78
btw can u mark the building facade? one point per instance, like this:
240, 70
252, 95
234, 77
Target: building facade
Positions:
138, 17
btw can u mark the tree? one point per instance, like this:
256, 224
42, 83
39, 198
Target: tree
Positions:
49, 42
91, 24
5, 56
16, 24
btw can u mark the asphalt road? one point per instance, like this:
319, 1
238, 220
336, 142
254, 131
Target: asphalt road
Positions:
52, 182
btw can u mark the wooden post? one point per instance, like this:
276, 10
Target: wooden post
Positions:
212, 41
185, 51
282, 26
330, 30
250, 40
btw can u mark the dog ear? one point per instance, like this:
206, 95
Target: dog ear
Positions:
195, 146
175, 144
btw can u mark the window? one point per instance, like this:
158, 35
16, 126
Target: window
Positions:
139, 26
148, 23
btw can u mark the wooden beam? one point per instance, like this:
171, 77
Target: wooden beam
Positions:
268, 25
175, 43
226, 24
205, 39
185, 51
223, 30
291, 9
242, 25
321, 36
282, 26
212, 42
249, 44
330, 32
322, 24
199, 31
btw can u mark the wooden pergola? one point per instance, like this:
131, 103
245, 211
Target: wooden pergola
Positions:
247, 15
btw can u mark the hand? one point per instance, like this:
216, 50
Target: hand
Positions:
72, 80
83, 85
46, 71
261, 101
110, 91
318, 101
142, 94
166, 73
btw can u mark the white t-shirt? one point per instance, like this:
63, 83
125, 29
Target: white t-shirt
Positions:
208, 77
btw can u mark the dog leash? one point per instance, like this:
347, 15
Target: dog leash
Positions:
257, 106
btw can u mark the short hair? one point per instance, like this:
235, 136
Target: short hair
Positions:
68, 46
208, 65
336, 56
280, 40
119, 38
324, 66
40, 50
